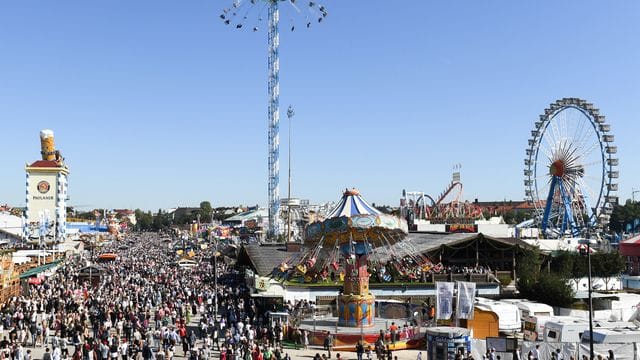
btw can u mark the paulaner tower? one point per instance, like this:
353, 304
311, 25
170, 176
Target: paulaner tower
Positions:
46, 209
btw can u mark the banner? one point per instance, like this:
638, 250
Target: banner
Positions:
444, 300
461, 228
262, 283
466, 300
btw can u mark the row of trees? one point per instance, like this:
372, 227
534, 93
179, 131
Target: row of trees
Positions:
145, 221
550, 280
162, 220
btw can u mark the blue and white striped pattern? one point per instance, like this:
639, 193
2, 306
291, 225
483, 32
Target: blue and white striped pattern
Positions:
274, 119
61, 207
25, 227
351, 205
27, 197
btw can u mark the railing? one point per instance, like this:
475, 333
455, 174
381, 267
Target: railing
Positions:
477, 278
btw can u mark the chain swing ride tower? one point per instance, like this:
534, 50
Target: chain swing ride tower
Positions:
238, 15
274, 118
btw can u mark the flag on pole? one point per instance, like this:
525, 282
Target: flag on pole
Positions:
466, 300
444, 300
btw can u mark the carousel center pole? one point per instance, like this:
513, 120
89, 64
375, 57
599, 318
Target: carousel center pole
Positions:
356, 305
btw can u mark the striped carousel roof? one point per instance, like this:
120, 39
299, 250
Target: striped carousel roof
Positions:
352, 204
353, 219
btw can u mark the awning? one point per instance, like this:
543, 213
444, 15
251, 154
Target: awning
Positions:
35, 280
39, 269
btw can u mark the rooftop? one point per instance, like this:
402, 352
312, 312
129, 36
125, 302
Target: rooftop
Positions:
46, 164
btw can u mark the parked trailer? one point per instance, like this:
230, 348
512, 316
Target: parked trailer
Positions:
566, 330
612, 336
534, 326
508, 314
531, 308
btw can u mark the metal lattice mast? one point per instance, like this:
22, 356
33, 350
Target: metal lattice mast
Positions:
274, 119
238, 15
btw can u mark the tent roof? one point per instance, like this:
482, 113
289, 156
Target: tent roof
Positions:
92, 270
634, 240
352, 204
11, 224
419, 243
248, 215
39, 269
630, 246
264, 258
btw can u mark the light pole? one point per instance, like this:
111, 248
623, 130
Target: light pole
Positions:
633, 194
215, 281
588, 243
290, 114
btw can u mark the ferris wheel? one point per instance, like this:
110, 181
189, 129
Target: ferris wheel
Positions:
570, 170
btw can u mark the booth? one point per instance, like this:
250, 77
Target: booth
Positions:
91, 274
106, 257
630, 249
443, 343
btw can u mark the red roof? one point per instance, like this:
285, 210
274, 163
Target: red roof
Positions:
630, 246
46, 164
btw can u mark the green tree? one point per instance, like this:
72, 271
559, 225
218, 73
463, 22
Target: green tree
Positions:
144, 221
161, 221
607, 266
570, 265
562, 264
623, 215
534, 284
205, 211
553, 290
528, 269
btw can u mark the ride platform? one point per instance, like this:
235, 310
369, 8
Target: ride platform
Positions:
346, 337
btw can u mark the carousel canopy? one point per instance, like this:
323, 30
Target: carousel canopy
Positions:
352, 204
353, 219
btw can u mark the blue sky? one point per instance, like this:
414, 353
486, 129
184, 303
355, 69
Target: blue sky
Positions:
157, 104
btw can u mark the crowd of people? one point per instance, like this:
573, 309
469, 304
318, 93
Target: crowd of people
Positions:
139, 307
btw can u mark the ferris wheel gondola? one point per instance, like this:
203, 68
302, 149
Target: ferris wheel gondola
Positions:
570, 169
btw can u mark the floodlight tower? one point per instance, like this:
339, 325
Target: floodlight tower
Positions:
239, 14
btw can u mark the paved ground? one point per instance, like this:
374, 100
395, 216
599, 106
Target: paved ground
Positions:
295, 354
309, 353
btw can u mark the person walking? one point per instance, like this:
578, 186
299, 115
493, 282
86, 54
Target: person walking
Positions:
328, 344
359, 350
124, 349
305, 336
393, 329
147, 354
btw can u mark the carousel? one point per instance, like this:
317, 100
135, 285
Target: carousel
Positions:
355, 228
346, 248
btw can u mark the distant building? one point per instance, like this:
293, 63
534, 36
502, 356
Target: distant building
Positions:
46, 193
130, 215
254, 218
495, 208
11, 228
